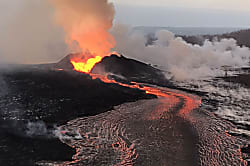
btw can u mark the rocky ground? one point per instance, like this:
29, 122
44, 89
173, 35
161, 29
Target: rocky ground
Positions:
35, 100
43, 104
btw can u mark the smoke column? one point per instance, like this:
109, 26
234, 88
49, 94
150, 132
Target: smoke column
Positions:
86, 24
185, 61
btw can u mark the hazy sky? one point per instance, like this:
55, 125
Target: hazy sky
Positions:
192, 13
209, 4
216, 13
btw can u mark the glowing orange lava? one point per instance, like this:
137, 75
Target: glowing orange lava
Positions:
85, 67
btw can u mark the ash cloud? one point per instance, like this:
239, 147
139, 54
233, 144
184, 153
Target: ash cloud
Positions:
86, 24
185, 61
41, 31
28, 33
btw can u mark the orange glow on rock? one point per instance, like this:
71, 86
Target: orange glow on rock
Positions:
85, 67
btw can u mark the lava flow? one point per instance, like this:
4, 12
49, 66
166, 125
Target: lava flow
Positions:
171, 102
190, 102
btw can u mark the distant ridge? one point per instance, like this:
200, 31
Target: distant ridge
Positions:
188, 31
242, 37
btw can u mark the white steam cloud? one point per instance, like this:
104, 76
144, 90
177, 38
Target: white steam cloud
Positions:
185, 61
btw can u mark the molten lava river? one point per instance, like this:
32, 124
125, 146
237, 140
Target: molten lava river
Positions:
172, 130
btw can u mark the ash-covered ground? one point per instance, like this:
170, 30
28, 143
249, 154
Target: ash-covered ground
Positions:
35, 99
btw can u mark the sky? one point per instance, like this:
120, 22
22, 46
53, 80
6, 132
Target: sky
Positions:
174, 13
187, 13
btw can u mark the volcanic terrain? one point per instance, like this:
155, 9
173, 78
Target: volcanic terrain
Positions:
52, 114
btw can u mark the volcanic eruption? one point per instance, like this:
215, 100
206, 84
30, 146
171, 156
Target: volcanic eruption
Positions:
86, 24
114, 110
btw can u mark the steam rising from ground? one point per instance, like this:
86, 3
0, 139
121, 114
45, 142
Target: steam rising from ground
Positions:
185, 61
86, 24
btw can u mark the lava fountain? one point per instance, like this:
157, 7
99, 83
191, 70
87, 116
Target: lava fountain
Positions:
86, 24
85, 66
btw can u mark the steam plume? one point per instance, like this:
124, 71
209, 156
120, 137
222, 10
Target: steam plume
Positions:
183, 60
86, 24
